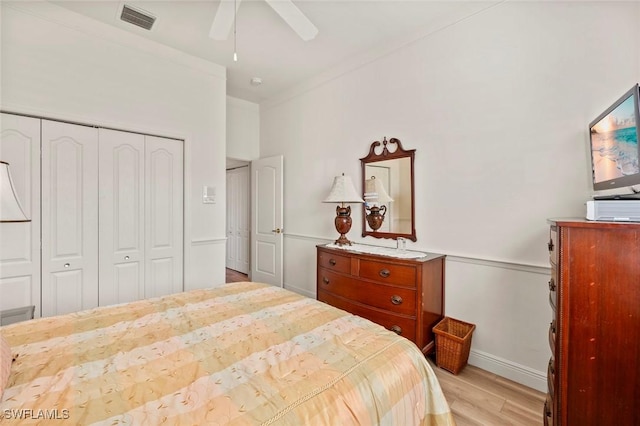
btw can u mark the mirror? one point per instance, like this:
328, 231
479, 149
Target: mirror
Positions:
388, 188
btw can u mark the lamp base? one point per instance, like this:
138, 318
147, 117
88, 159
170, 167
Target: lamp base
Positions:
343, 224
343, 241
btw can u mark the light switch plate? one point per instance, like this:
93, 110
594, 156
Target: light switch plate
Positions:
208, 195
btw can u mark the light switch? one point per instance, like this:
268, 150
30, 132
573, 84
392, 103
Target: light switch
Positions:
208, 195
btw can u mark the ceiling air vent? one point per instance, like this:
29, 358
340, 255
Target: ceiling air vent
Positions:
137, 17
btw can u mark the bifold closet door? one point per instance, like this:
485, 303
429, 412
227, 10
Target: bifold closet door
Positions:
141, 228
20, 242
163, 216
238, 231
69, 217
121, 234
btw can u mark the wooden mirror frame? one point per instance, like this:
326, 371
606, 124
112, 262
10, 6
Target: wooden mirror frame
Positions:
384, 155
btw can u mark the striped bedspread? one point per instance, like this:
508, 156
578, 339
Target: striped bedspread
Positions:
242, 354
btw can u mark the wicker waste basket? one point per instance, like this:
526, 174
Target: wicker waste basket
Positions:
453, 342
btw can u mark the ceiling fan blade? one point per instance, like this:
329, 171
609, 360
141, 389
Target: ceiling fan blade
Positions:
223, 21
295, 18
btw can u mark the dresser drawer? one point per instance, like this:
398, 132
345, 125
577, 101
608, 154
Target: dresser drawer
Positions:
552, 336
551, 377
552, 245
394, 299
388, 273
553, 289
547, 411
403, 326
334, 262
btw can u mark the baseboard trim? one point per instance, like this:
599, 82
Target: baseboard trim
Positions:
518, 373
299, 290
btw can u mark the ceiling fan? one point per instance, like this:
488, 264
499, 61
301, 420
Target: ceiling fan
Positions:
288, 11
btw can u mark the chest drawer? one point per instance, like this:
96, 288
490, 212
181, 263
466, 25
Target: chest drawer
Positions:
388, 273
552, 336
553, 293
394, 299
552, 245
403, 326
334, 262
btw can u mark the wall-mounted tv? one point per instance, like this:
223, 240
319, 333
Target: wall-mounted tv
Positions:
614, 136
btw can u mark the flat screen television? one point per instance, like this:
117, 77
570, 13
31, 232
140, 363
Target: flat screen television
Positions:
615, 152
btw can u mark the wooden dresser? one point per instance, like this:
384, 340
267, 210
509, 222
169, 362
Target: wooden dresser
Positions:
594, 370
403, 295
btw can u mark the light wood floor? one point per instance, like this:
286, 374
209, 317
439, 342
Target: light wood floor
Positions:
477, 397
235, 276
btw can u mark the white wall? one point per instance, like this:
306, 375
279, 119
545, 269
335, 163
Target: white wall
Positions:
243, 129
497, 107
59, 65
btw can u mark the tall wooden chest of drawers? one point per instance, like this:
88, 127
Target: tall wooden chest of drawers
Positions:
403, 295
594, 370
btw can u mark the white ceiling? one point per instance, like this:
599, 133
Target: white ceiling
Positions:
268, 48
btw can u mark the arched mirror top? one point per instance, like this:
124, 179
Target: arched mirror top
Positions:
388, 191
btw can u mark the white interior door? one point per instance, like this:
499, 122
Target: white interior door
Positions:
20, 242
121, 189
231, 251
238, 232
163, 216
267, 220
69, 217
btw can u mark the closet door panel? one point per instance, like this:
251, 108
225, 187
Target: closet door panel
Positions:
20, 242
69, 217
121, 186
238, 231
163, 216
232, 219
243, 232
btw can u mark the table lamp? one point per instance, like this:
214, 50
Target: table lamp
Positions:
343, 192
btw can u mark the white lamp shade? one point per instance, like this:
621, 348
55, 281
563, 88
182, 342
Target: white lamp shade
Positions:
343, 191
10, 209
375, 192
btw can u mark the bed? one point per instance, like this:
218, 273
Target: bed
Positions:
242, 353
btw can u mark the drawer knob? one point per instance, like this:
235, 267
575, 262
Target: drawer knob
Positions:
396, 329
66, 265
325, 280
396, 300
552, 285
384, 273
332, 262
550, 245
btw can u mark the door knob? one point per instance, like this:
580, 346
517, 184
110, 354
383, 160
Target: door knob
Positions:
277, 230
